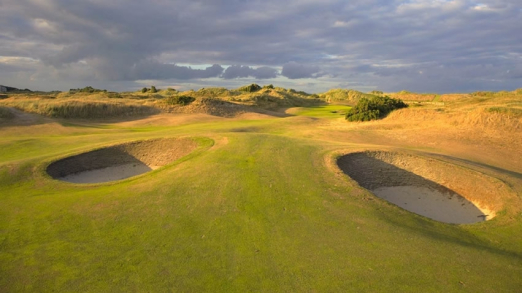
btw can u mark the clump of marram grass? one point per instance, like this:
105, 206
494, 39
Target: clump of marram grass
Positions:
5, 113
508, 111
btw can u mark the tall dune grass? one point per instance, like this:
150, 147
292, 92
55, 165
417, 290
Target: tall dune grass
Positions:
480, 118
67, 108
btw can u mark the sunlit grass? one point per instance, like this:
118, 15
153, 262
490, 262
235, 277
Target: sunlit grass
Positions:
328, 111
256, 209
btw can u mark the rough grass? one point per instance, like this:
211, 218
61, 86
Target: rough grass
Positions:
258, 211
418, 97
350, 97
81, 108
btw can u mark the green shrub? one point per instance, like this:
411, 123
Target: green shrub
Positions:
270, 86
179, 100
374, 108
144, 90
153, 89
87, 89
250, 88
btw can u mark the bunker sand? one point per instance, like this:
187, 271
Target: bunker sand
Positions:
429, 187
120, 161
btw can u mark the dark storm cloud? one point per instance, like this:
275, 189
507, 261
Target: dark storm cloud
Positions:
239, 71
294, 70
424, 44
159, 71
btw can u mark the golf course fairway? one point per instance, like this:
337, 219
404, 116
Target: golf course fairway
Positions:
258, 205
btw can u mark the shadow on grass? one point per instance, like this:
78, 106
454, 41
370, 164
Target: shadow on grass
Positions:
21, 118
449, 234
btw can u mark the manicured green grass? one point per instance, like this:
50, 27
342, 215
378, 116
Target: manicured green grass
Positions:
328, 111
257, 211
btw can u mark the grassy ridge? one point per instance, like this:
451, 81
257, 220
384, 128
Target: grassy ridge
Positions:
71, 108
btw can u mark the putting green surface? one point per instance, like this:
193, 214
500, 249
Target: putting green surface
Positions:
254, 208
327, 111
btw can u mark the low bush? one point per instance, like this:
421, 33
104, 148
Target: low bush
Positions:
87, 89
250, 88
179, 100
374, 108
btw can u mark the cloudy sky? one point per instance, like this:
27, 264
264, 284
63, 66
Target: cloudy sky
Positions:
311, 45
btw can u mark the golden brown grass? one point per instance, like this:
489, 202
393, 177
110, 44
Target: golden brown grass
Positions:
87, 106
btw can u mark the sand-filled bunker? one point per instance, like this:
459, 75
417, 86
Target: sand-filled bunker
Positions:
120, 161
426, 186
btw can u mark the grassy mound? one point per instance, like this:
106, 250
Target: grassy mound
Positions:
80, 108
350, 97
252, 88
374, 108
